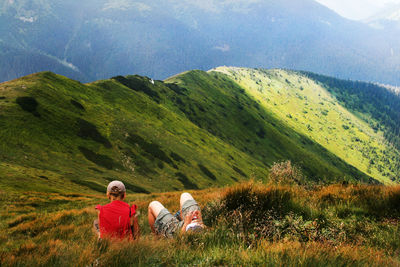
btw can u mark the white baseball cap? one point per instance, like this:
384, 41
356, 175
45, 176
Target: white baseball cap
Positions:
116, 187
194, 227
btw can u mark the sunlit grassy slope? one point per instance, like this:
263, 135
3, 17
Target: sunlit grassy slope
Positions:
194, 130
310, 109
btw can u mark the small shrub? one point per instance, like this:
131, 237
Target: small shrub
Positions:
379, 201
176, 157
136, 188
28, 104
160, 165
261, 133
212, 212
177, 89
179, 101
255, 211
136, 139
258, 199
101, 160
153, 149
207, 172
141, 166
136, 84
185, 181
239, 171
393, 202
89, 184
77, 104
285, 173
88, 130
94, 169
203, 109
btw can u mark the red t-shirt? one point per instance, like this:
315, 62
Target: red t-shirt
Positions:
114, 219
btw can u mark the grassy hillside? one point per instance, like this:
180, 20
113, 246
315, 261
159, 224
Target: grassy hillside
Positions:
59, 135
309, 108
249, 224
242, 121
377, 105
196, 130
61, 142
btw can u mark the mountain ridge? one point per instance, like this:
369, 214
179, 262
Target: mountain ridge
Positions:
194, 130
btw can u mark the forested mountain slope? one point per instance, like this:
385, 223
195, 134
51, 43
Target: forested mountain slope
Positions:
98, 39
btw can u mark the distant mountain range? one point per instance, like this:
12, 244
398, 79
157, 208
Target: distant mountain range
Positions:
194, 130
388, 18
97, 39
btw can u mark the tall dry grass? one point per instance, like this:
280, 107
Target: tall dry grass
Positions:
278, 224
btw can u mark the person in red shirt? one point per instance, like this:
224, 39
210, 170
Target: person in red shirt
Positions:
117, 219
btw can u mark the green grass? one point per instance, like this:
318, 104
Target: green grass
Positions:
204, 126
119, 133
310, 109
242, 121
62, 142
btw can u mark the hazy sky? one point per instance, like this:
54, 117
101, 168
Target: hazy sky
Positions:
357, 9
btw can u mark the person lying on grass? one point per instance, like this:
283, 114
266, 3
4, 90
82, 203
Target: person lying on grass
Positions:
188, 219
117, 219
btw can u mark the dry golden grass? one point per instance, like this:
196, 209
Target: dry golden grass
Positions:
55, 237
351, 255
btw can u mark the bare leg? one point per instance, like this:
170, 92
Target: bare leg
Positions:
192, 212
154, 209
184, 198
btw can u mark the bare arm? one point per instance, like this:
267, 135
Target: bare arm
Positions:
98, 222
186, 221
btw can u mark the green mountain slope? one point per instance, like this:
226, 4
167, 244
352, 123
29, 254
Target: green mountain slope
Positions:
327, 115
57, 135
240, 120
195, 130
